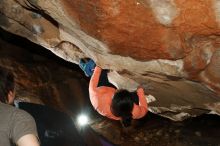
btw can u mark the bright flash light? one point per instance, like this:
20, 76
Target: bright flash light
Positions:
82, 120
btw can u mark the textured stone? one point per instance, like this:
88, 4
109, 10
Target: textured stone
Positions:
170, 47
42, 77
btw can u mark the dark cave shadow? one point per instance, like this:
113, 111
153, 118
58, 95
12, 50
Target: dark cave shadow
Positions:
195, 131
58, 129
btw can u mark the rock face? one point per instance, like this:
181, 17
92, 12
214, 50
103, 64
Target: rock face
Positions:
170, 47
41, 77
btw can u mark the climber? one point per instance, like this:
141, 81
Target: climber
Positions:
108, 100
16, 126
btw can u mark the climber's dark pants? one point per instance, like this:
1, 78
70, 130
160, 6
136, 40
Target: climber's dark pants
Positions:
103, 80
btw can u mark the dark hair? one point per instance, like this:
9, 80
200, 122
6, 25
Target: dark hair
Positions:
6, 84
122, 106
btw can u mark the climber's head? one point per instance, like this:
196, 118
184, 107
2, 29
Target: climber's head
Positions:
122, 106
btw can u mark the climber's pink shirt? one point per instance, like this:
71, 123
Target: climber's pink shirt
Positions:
101, 98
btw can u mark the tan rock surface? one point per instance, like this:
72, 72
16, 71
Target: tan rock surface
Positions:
171, 47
